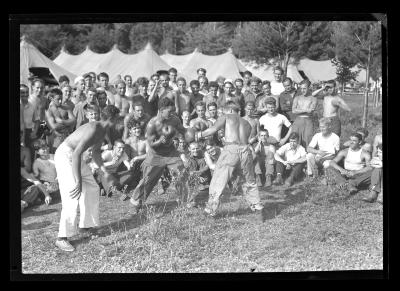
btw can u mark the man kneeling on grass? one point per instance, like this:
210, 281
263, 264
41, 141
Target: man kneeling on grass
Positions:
356, 170
290, 159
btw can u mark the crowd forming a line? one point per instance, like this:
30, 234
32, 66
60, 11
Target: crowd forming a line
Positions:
226, 132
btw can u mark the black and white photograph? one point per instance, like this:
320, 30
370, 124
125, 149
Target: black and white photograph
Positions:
151, 147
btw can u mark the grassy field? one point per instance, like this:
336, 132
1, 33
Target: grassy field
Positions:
309, 227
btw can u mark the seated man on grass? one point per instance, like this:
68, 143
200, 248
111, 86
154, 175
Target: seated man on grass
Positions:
365, 145
112, 160
197, 165
265, 161
323, 147
290, 160
356, 171
44, 169
376, 163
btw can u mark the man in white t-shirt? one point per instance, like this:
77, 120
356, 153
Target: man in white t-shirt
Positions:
290, 159
323, 147
276, 85
273, 121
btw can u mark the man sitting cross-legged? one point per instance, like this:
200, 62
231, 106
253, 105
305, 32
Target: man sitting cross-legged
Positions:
323, 147
236, 155
356, 168
197, 165
45, 170
290, 159
265, 161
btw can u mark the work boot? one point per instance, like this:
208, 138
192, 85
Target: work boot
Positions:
278, 179
371, 197
268, 181
64, 245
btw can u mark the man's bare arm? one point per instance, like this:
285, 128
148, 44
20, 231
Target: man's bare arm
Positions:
367, 159
126, 130
71, 118
342, 104
334, 163
283, 140
219, 124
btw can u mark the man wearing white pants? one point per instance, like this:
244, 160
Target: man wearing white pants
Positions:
76, 182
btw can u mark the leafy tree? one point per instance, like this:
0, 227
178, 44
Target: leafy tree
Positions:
142, 33
359, 43
121, 36
101, 37
283, 41
344, 73
211, 38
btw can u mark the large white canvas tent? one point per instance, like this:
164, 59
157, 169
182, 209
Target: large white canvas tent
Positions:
31, 57
317, 71
178, 61
266, 71
225, 65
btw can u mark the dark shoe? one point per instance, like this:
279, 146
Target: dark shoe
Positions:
268, 181
278, 180
371, 197
89, 232
352, 190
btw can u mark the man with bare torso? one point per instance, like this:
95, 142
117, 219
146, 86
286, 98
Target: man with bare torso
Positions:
121, 100
76, 182
236, 155
255, 124
60, 119
161, 154
331, 105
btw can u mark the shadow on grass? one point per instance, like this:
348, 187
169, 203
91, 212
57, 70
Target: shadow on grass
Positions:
35, 225
32, 212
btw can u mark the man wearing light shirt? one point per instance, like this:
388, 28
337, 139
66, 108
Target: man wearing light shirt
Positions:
323, 147
290, 159
276, 85
273, 122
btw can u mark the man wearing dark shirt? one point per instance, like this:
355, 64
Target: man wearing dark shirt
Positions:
286, 99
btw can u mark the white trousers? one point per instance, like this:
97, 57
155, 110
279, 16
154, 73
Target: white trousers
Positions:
312, 163
88, 202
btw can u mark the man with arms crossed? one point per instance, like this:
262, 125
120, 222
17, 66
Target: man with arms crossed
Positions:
236, 155
78, 187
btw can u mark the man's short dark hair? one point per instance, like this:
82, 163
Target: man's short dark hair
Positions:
132, 123
232, 105
203, 77
103, 74
108, 112
271, 101
247, 73
54, 92
200, 103
212, 104
137, 103
250, 102
255, 79
364, 131
239, 80
91, 107
357, 135
154, 75
305, 81
63, 78
201, 69
194, 82
279, 68
126, 76
181, 79
142, 81
266, 82
213, 84
87, 75
165, 102
118, 140
287, 79
173, 70
294, 135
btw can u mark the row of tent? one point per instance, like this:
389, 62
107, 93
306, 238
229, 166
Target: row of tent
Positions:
147, 62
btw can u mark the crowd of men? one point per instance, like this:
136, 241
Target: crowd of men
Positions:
93, 138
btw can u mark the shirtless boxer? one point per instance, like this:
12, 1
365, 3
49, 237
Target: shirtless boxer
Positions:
236, 155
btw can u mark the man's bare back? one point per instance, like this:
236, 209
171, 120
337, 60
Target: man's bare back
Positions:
237, 129
92, 132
